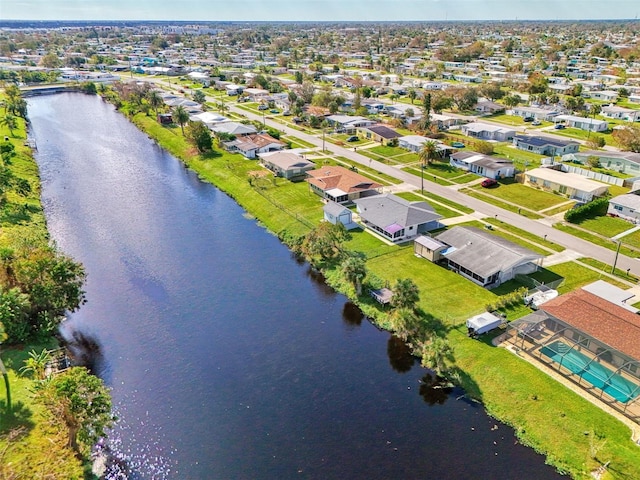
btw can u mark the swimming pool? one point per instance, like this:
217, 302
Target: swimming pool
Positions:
596, 374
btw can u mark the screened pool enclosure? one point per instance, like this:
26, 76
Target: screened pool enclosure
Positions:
605, 372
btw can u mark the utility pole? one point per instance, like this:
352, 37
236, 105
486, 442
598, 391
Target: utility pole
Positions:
615, 260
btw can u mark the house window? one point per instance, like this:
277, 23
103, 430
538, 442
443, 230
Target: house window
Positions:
533, 180
546, 184
618, 207
562, 189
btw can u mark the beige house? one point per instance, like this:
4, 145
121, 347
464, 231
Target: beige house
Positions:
571, 184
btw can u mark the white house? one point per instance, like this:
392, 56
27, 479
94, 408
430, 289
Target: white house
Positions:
582, 123
571, 184
625, 206
621, 113
490, 167
485, 131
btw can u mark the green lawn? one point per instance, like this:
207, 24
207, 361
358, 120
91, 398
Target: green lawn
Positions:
440, 210
605, 226
523, 196
576, 276
298, 141
387, 151
370, 172
515, 120
476, 193
598, 240
524, 234
603, 267
522, 159
449, 203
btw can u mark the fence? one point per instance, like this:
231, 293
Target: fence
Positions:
595, 175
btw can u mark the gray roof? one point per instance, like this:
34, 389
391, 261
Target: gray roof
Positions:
629, 200
385, 210
429, 242
493, 163
287, 160
334, 208
484, 253
234, 128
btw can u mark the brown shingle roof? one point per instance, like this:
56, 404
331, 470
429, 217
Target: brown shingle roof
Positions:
346, 180
603, 320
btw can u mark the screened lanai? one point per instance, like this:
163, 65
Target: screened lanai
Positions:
611, 374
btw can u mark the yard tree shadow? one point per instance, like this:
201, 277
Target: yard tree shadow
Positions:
21, 416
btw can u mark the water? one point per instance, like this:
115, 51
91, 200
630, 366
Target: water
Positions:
227, 358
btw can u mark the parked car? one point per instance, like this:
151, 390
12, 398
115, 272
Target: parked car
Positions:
528, 119
352, 138
457, 145
559, 126
286, 113
489, 182
274, 110
262, 107
536, 122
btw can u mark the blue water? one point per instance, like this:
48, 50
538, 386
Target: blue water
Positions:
596, 374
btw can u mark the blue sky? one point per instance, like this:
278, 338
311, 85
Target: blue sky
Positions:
291, 10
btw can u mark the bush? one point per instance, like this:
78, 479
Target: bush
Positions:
485, 148
595, 208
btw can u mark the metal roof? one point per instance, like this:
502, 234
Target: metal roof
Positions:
484, 253
387, 210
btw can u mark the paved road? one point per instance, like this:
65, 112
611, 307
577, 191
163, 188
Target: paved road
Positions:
541, 227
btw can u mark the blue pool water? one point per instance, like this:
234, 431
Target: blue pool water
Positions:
596, 374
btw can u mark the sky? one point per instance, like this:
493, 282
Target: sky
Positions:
318, 10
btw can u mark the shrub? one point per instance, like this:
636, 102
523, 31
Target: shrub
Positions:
595, 208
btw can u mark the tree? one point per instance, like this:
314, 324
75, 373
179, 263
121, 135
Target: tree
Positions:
486, 148
628, 138
82, 402
405, 294
14, 315
596, 141
428, 153
405, 322
593, 161
155, 100
180, 116
324, 242
199, 97
412, 94
425, 121
9, 121
53, 283
199, 136
512, 100
354, 269
36, 364
437, 355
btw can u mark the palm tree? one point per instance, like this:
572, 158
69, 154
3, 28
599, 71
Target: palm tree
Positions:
36, 364
436, 355
428, 153
405, 294
412, 94
180, 116
9, 121
155, 100
354, 269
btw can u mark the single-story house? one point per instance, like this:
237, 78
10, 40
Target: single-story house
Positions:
571, 184
379, 133
251, 145
209, 118
395, 218
286, 164
621, 113
628, 162
484, 258
233, 89
413, 143
348, 123
589, 340
485, 131
625, 206
606, 95
583, 123
545, 145
487, 106
490, 167
234, 128
335, 213
341, 185
444, 121
256, 94
534, 112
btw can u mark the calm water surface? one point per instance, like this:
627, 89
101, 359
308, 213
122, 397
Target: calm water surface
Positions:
228, 359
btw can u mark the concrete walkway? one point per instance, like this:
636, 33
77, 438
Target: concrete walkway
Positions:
626, 232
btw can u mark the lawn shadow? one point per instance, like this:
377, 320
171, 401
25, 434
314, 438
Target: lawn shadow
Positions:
20, 416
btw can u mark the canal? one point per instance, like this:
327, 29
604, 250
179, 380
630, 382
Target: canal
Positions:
226, 357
